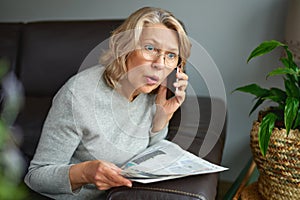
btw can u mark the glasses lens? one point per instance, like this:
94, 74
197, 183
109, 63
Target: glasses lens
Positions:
171, 59
151, 53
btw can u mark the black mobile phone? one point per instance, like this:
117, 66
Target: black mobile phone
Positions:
171, 79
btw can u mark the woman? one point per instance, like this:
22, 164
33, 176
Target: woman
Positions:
104, 116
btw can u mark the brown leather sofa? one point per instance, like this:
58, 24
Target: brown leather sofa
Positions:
45, 54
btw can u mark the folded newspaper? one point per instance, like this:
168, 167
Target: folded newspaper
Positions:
166, 160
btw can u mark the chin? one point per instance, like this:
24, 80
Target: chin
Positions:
148, 89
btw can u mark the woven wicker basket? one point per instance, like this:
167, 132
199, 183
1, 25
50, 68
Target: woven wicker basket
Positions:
250, 192
280, 169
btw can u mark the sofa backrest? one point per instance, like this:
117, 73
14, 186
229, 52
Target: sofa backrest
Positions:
51, 52
44, 55
10, 35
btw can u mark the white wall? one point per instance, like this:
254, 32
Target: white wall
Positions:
227, 29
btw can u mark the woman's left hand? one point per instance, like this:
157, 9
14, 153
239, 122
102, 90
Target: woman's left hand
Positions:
165, 108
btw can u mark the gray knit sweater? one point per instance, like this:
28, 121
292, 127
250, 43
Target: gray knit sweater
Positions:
88, 120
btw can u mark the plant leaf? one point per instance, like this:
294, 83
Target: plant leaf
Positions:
289, 63
3, 133
4, 64
292, 90
290, 112
297, 120
264, 48
265, 131
258, 103
290, 56
277, 95
280, 71
285, 62
254, 89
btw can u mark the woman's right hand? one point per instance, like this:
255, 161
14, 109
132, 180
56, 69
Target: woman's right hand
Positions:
104, 175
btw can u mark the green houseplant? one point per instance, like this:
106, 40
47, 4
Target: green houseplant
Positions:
275, 136
288, 110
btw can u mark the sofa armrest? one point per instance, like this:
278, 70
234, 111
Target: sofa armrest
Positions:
187, 188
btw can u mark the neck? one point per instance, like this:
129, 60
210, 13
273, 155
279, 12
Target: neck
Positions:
125, 89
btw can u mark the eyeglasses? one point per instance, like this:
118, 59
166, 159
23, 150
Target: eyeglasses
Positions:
150, 52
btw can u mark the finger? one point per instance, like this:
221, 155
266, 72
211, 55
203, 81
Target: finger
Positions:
120, 180
111, 181
182, 76
104, 178
117, 180
182, 81
110, 176
114, 167
180, 96
181, 85
103, 186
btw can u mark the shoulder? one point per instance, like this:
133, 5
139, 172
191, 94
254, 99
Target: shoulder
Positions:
84, 82
87, 79
87, 75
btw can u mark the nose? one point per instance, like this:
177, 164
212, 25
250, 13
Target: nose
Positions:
159, 62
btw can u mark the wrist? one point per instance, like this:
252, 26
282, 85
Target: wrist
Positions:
77, 175
159, 123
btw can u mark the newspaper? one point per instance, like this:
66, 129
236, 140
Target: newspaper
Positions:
166, 160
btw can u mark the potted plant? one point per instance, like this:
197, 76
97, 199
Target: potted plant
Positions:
275, 136
11, 165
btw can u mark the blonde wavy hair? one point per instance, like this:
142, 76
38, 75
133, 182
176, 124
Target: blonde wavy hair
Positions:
125, 38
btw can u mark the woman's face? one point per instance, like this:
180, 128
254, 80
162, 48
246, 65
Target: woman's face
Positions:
154, 60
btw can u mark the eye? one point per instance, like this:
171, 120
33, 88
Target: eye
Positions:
149, 47
171, 56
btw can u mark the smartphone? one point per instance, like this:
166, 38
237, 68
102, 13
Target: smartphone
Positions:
171, 79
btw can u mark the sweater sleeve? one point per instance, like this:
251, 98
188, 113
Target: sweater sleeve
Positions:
48, 172
158, 136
